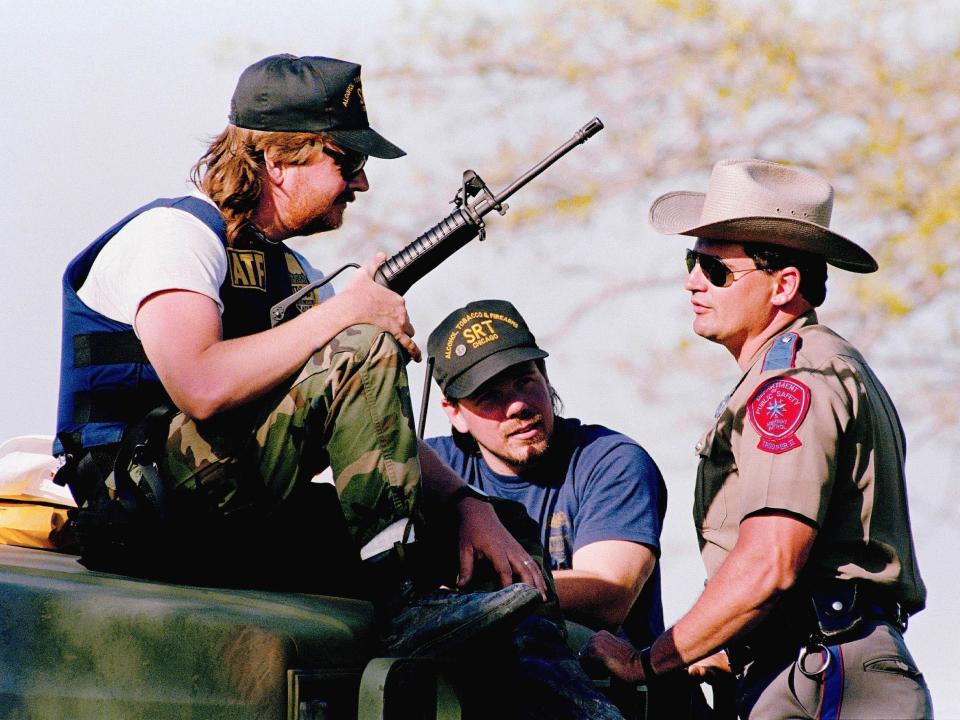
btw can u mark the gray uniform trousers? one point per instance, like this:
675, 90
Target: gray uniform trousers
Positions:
871, 678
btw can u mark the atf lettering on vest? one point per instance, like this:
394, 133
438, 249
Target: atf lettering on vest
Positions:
260, 274
247, 269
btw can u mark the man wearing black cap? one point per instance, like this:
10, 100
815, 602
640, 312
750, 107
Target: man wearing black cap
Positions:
800, 505
597, 496
167, 313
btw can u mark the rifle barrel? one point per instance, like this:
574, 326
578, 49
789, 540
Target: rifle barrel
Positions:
581, 136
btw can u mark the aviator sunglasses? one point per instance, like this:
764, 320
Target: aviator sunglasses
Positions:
349, 162
715, 271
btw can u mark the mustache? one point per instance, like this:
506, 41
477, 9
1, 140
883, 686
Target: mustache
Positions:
524, 423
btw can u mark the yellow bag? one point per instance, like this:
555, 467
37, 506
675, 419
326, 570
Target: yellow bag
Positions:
34, 525
33, 509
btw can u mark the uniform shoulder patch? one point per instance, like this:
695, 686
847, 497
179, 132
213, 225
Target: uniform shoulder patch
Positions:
776, 410
782, 355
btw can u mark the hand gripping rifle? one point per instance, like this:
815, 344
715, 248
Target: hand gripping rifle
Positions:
473, 201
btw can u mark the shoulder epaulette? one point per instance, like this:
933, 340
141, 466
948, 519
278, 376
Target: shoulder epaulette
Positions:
782, 354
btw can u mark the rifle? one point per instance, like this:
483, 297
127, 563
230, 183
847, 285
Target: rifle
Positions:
473, 201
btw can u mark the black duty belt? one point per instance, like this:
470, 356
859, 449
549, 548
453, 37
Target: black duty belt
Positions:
833, 613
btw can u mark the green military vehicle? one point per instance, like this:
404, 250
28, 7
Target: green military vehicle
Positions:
82, 644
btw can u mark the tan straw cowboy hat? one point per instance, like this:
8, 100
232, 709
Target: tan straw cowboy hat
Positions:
764, 202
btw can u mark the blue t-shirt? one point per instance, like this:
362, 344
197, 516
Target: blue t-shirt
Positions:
595, 484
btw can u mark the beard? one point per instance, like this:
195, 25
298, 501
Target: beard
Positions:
526, 454
330, 219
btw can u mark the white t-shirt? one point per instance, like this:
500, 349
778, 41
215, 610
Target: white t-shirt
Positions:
161, 249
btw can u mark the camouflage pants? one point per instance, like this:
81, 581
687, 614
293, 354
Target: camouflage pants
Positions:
348, 408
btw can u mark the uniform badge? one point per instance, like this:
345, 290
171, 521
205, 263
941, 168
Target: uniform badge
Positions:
776, 410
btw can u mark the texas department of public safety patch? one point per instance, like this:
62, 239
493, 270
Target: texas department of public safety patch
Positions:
776, 410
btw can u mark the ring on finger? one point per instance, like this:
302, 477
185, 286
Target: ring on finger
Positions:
527, 562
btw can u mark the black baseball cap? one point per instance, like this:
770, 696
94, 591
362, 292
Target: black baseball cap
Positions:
478, 341
286, 93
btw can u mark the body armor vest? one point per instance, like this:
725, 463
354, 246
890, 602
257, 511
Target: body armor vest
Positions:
106, 381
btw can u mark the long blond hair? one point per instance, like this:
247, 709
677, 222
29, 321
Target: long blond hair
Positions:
229, 172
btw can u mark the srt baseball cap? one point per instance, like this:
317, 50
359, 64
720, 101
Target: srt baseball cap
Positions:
285, 93
476, 342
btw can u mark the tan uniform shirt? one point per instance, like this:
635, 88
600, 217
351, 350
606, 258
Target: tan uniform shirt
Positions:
817, 437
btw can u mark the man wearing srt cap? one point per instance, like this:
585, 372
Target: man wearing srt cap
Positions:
801, 502
191, 428
597, 496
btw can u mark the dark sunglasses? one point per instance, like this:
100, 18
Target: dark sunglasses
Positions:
715, 271
349, 162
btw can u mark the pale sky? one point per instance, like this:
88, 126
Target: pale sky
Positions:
106, 105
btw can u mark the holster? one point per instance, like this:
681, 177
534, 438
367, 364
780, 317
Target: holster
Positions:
119, 494
842, 609
136, 471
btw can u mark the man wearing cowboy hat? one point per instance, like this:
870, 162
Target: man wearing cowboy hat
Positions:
800, 503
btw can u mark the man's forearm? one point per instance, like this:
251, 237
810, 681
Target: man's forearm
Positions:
258, 363
593, 600
204, 374
732, 602
438, 479
481, 533
765, 562
605, 580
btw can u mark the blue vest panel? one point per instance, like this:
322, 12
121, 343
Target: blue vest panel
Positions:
106, 381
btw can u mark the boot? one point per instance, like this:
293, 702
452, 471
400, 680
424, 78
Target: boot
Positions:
549, 681
417, 616
441, 622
